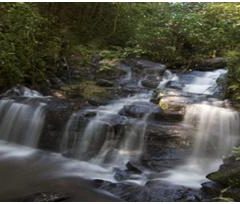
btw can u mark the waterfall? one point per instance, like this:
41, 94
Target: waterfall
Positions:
21, 122
100, 142
217, 131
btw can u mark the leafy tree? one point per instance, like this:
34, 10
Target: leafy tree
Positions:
28, 48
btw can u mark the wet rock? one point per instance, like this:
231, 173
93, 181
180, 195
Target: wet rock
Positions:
90, 113
20, 91
133, 168
228, 173
115, 119
57, 114
45, 197
167, 116
130, 89
212, 64
232, 192
151, 82
212, 189
169, 193
159, 131
97, 101
120, 175
228, 177
154, 191
137, 109
152, 66
104, 82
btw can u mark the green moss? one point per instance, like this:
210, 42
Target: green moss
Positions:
86, 90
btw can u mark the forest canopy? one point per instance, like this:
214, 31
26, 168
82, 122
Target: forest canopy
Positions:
36, 38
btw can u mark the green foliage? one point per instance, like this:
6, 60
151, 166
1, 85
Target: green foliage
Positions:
108, 58
234, 74
28, 47
236, 152
34, 36
183, 32
100, 23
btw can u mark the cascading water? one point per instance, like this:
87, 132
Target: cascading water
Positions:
217, 130
167, 77
22, 121
99, 142
106, 139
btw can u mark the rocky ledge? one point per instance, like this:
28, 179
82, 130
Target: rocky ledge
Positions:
225, 182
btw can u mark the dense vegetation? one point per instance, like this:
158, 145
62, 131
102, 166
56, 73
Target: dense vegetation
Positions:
38, 39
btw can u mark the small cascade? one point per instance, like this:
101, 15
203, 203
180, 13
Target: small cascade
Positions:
217, 131
21, 122
100, 142
167, 77
128, 71
206, 83
22, 91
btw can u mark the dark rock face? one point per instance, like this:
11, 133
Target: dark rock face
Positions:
97, 101
212, 64
167, 145
154, 191
152, 66
137, 109
212, 189
151, 81
228, 173
104, 82
57, 115
228, 177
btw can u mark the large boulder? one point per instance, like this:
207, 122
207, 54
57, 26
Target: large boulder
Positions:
151, 81
137, 109
211, 64
228, 173
150, 67
228, 176
167, 144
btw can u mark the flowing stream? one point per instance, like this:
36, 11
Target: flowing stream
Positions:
103, 139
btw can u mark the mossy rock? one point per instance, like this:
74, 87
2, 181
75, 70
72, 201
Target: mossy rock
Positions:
231, 192
228, 174
86, 90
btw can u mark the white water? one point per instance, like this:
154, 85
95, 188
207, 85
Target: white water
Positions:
21, 122
23, 92
215, 127
217, 131
167, 77
206, 83
115, 150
